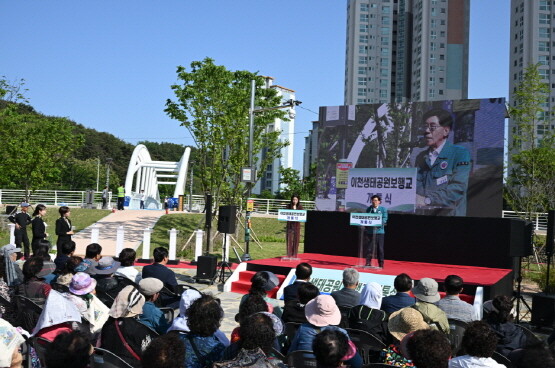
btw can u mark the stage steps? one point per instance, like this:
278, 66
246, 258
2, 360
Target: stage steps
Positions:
243, 285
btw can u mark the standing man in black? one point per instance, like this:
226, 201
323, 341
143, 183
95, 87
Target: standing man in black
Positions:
21, 220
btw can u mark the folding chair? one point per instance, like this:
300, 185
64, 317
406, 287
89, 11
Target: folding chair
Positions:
456, 333
501, 359
368, 345
40, 345
102, 358
28, 312
301, 359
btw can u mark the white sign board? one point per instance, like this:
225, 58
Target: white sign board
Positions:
366, 219
292, 215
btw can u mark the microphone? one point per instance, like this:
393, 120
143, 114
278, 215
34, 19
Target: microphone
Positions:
420, 143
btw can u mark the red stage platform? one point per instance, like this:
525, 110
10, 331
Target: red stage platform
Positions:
494, 280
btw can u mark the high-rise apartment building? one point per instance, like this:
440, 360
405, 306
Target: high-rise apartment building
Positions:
532, 42
271, 178
406, 50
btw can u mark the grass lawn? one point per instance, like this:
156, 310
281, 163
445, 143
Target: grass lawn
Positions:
269, 231
80, 218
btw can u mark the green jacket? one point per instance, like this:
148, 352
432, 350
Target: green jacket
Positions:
445, 183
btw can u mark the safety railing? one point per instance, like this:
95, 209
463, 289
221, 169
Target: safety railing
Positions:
49, 197
539, 219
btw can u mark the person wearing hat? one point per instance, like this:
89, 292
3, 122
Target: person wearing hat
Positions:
21, 220
10, 342
426, 293
401, 324
261, 283
106, 283
367, 316
321, 313
82, 294
121, 333
152, 316
10, 275
34, 287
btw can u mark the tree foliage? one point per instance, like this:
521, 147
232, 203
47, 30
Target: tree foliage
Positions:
294, 184
213, 103
531, 172
34, 147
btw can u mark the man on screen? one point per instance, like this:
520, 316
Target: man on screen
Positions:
443, 168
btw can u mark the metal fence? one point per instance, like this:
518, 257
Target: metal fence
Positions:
49, 197
539, 219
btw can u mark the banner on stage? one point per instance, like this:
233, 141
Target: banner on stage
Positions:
329, 281
292, 215
366, 219
396, 187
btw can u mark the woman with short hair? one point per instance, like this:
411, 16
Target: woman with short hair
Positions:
63, 226
38, 226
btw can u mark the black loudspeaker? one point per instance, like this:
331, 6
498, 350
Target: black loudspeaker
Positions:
206, 267
208, 210
543, 310
10, 209
521, 233
226, 219
550, 233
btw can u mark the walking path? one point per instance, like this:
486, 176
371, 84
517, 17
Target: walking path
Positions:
133, 221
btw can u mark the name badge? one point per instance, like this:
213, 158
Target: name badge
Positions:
441, 180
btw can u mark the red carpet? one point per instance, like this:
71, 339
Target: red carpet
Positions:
416, 270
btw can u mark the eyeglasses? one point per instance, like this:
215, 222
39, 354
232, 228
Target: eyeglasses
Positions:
431, 127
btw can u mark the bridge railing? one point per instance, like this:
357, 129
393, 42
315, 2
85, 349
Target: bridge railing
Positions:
539, 219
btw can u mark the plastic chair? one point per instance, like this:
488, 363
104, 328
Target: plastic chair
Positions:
344, 316
291, 330
169, 313
301, 359
456, 334
531, 338
501, 359
368, 345
105, 298
28, 312
106, 359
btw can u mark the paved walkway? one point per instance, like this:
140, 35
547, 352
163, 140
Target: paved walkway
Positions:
133, 221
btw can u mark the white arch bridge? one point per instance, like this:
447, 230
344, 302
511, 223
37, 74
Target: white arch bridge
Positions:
145, 174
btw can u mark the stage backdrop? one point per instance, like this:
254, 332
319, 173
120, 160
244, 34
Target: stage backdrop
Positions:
464, 178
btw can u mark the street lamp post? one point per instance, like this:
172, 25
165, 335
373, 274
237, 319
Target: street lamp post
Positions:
289, 104
108, 163
191, 188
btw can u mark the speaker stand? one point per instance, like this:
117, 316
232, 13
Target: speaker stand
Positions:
222, 277
517, 295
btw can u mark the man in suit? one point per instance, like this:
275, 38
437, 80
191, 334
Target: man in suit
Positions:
443, 169
375, 234
302, 275
393, 303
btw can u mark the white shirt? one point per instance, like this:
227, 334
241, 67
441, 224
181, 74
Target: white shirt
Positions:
433, 154
467, 361
130, 272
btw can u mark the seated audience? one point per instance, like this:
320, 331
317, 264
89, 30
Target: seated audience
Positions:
152, 316
302, 275
452, 305
479, 343
501, 321
258, 335
322, 313
426, 294
393, 303
348, 296
180, 322
71, 349
58, 316
127, 259
42, 250
66, 250
367, 316
261, 283
70, 269
202, 347
7, 311
92, 256
160, 271
429, 349
120, 334
402, 323
81, 293
166, 351
34, 287
10, 343
105, 281
13, 275
331, 348
294, 309
254, 304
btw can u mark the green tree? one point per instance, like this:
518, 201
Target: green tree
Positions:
34, 147
212, 102
293, 184
531, 172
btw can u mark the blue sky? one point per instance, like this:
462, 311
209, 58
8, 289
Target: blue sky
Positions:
108, 64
